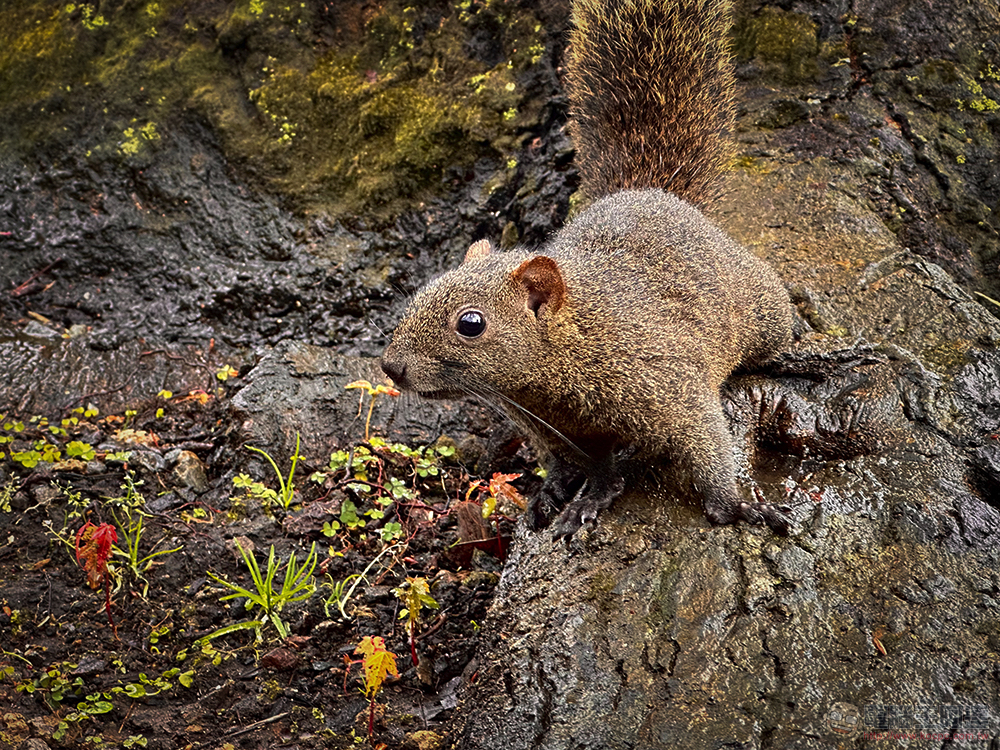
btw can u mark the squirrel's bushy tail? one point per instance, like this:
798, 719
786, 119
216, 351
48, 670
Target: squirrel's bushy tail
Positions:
651, 91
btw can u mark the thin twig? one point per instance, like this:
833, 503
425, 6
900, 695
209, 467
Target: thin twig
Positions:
22, 287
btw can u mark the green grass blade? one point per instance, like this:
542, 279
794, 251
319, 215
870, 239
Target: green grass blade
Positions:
239, 591
248, 625
150, 556
274, 466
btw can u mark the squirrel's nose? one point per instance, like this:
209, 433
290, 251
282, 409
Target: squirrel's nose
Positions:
395, 370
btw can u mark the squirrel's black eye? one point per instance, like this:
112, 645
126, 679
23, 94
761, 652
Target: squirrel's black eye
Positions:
471, 324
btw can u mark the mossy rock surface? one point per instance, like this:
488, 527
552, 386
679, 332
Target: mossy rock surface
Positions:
337, 109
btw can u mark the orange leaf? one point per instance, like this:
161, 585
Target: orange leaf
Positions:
501, 489
197, 395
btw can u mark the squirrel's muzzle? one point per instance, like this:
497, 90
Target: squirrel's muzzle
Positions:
395, 370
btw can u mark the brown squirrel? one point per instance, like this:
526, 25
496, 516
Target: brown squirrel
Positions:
609, 345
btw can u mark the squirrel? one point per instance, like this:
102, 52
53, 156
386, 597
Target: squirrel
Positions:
608, 346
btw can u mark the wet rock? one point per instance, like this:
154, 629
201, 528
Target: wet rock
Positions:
297, 388
729, 632
151, 461
190, 472
165, 502
38, 330
280, 660
89, 666
47, 376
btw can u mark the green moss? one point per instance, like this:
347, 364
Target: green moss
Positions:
38, 53
601, 591
269, 691
977, 101
371, 124
785, 44
378, 123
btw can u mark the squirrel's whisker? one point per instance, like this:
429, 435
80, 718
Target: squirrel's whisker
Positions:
531, 415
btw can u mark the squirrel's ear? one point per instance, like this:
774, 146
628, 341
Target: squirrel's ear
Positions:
478, 249
543, 283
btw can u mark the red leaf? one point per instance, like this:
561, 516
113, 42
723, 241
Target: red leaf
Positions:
93, 550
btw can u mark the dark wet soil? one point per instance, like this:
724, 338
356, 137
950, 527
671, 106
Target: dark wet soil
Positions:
237, 690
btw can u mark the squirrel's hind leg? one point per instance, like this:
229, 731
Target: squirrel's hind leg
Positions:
708, 456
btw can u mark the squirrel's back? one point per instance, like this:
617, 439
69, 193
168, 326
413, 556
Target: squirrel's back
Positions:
689, 268
651, 91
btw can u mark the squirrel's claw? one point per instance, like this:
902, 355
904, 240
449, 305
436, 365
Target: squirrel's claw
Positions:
775, 516
572, 519
585, 509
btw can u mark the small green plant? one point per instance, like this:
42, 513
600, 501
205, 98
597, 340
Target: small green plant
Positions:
131, 531
7, 493
158, 632
297, 586
57, 687
76, 506
28, 459
339, 593
54, 685
129, 520
146, 686
391, 532
204, 651
287, 493
92, 705
415, 594
382, 474
255, 490
83, 451
127, 511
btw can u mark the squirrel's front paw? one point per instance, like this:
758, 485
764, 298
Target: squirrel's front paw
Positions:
574, 516
775, 516
584, 510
